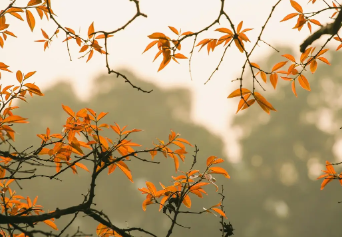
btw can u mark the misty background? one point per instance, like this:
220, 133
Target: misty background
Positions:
273, 189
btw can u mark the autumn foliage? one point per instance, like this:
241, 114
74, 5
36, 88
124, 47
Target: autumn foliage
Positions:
81, 146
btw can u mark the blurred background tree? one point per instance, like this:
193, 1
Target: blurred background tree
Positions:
283, 154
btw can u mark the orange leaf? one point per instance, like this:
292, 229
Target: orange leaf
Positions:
150, 45
239, 27
187, 33
239, 92
14, 119
174, 30
179, 55
162, 202
242, 102
84, 48
289, 57
30, 20
157, 35
166, 59
71, 30
303, 82
19, 76
184, 141
225, 30
187, 201
82, 166
175, 159
278, 65
255, 65
198, 186
34, 2
68, 110
263, 76
305, 54
239, 44
151, 188
261, 100
293, 85
210, 160
219, 211
289, 16
90, 55
274, 79
102, 36
125, 170
51, 224
324, 60
44, 34
247, 104
309, 26
46, 44
313, 66
219, 170
101, 115
322, 52
91, 30
315, 22
296, 6
157, 55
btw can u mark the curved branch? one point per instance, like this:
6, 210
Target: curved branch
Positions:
330, 29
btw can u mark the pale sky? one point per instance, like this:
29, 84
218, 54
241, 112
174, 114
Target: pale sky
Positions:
211, 107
